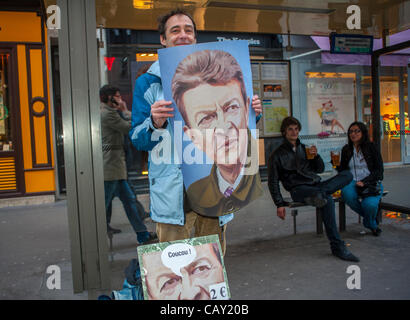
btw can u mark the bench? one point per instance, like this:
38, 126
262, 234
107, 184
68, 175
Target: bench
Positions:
319, 222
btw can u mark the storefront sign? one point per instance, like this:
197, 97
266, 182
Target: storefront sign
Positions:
252, 42
348, 43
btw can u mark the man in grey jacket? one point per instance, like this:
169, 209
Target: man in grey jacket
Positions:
113, 128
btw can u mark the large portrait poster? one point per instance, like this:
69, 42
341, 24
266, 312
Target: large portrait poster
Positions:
190, 269
210, 85
331, 109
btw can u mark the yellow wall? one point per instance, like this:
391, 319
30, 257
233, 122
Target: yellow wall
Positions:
20, 27
26, 27
39, 181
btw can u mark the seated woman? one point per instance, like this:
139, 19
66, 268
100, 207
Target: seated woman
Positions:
365, 162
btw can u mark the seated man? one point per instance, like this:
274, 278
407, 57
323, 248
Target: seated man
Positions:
298, 175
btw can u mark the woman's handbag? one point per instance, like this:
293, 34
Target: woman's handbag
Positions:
369, 190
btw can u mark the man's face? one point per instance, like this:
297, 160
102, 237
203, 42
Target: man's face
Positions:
204, 271
215, 116
179, 30
292, 133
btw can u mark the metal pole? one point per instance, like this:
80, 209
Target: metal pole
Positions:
82, 146
376, 101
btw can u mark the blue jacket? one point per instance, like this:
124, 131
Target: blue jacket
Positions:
165, 179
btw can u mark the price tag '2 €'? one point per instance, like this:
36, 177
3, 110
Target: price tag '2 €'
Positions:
218, 291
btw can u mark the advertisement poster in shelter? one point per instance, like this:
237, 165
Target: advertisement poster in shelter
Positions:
330, 111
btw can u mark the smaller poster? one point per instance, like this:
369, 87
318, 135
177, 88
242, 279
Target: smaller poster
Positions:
330, 105
189, 269
275, 93
274, 111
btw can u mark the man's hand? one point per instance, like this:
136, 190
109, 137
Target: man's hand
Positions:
160, 113
359, 184
281, 212
122, 106
256, 105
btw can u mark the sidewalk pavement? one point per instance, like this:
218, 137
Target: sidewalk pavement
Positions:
264, 260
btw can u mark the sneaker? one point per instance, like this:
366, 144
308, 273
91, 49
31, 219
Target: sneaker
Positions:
376, 232
146, 237
316, 201
344, 254
112, 230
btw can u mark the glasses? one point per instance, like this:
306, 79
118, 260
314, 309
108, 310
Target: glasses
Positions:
354, 131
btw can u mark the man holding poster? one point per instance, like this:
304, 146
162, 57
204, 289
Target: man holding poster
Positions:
150, 123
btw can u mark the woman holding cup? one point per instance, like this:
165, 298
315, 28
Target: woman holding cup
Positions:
365, 163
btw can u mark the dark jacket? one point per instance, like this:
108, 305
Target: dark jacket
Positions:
373, 160
292, 169
113, 129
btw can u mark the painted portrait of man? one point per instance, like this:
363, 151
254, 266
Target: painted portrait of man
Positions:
195, 279
209, 90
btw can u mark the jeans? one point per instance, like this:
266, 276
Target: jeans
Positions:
367, 207
122, 189
325, 189
140, 207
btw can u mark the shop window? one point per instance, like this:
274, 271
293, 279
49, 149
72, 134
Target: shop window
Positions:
392, 133
6, 134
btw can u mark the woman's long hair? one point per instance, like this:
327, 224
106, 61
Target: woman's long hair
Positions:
365, 134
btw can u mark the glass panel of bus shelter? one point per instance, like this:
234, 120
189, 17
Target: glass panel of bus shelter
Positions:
394, 107
324, 87
390, 115
406, 122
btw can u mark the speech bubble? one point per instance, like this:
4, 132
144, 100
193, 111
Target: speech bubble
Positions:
177, 256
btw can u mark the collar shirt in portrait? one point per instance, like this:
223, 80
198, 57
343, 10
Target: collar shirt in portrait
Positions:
225, 185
